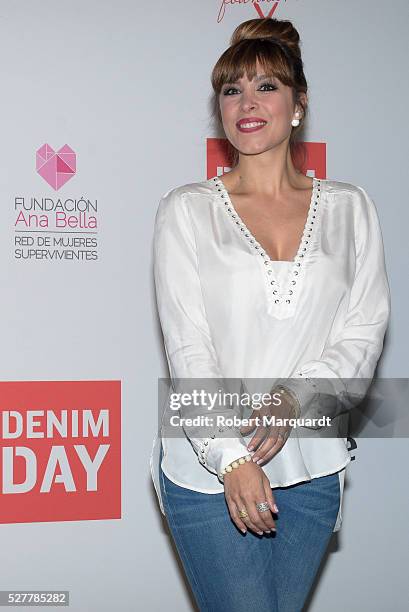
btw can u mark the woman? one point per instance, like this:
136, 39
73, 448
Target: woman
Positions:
275, 281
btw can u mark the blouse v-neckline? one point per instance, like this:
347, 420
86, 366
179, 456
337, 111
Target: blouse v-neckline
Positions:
281, 295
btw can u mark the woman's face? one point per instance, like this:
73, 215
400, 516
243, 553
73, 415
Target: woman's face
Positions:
264, 99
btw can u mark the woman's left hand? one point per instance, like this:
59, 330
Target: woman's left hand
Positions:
268, 439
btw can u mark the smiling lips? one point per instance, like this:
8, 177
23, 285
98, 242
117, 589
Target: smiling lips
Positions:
250, 124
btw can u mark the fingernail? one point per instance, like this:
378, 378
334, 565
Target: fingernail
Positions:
267, 531
250, 448
260, 532
243, 530
275, 508
254, 459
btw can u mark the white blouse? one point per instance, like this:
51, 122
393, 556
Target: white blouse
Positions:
228, 311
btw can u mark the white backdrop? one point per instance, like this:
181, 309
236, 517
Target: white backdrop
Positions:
126, 85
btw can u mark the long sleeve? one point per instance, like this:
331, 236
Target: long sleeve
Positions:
346, 367
188, 344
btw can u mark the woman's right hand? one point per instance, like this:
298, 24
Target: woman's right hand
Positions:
244, 487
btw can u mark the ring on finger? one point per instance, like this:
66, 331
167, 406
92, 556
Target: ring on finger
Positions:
263, 506
243, 513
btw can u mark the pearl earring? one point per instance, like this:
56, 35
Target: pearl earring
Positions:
295, 122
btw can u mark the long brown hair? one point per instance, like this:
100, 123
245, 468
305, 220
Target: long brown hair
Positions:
276, 45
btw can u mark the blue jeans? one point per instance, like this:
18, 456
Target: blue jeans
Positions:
229, 571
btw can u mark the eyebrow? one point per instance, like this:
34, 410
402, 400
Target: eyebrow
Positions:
258, 77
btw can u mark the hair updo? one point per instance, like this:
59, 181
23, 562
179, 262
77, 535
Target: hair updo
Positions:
276, 45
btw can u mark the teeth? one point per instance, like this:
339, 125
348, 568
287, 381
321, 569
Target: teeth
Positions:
253, 124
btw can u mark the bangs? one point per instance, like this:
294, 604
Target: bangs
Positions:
241, 59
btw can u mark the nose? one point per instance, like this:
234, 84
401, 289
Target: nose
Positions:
248, 101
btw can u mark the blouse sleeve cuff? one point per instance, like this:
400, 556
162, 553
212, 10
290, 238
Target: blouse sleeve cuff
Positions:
222, 451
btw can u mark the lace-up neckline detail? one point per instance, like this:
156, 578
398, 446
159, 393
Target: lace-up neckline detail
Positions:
281, 296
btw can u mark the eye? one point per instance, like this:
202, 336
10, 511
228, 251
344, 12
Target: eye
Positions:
226, 91
271, 86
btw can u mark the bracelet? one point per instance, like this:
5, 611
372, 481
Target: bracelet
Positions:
234, 465
294, 403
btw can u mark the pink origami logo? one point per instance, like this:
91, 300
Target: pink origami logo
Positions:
56, 167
